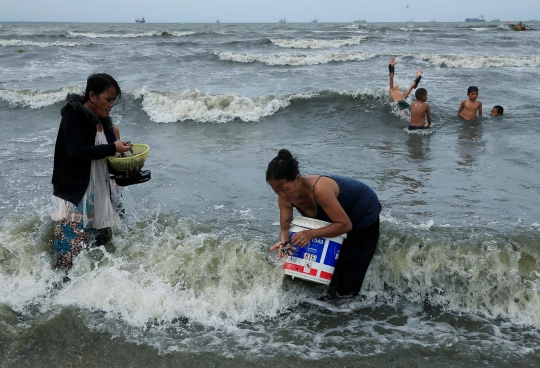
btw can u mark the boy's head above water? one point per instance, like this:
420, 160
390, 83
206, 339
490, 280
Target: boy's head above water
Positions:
421, 94
496, 111
472, 92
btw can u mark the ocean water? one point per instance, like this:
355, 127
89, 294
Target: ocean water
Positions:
188, 279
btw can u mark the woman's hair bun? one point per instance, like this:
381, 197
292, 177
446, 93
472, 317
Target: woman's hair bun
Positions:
284, 154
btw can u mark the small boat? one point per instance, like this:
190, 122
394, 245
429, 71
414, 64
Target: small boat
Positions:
217, 21
140, 20
519, 27
475, 20
360, 21
314, 21
282, 21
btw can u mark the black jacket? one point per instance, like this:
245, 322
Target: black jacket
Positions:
75, 149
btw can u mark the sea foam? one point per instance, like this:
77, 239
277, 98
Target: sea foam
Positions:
129, 35
168, 107
309, 43
294, 59
36, 99
467, 61
37, 44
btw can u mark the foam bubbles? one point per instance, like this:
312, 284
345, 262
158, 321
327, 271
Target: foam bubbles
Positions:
308, 43
479, 61
36, 99
129, 35
168, 107
294, 59
412, 29
166, 271
37, 44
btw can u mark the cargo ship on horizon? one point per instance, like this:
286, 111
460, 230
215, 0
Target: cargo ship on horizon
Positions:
475, 20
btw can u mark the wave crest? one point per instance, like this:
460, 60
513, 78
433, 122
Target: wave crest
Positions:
479, 61
168, 107
295, 59
129, 35
310, 43
37, 44
37, 99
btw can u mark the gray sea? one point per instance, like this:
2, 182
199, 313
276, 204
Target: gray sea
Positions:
188, 280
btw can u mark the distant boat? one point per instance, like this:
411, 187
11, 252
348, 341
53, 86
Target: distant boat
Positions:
283, 20
475, 20
217, 21
360, 21
314, 21
433, 21
140, 20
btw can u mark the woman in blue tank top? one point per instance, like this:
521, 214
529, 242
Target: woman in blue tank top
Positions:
349, 205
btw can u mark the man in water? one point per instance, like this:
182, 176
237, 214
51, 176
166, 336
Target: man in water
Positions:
395, 94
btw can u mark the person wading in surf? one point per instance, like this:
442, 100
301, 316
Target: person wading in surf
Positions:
351, 206
396, 95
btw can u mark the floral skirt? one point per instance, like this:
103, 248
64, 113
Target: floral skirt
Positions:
73, 231
71, 237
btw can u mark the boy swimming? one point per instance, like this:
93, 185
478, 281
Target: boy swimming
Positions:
420, 111
496, 111
395, 94
470, 108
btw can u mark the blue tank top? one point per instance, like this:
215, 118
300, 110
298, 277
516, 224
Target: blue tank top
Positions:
359, 201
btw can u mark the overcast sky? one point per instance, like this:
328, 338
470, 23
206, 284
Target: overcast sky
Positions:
271, 11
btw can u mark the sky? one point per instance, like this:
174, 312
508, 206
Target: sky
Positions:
265, 11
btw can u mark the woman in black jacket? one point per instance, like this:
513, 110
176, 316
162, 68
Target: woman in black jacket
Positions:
81, 203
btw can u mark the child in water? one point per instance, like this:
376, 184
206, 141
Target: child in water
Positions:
420, 111
496, 111
395, 94
470, 108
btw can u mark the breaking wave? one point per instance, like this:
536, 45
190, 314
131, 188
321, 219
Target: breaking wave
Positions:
413, 29
130, 35
479, 61
295, 59
168, 107
37, 99
309, 43
37, 44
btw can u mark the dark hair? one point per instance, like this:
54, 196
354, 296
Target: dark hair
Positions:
420, 92
100, 82
499, 108
472, 89
283, 166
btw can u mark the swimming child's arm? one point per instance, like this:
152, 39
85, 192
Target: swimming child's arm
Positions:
414, 83
460, 111
428, 116
391, 72
480, 109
